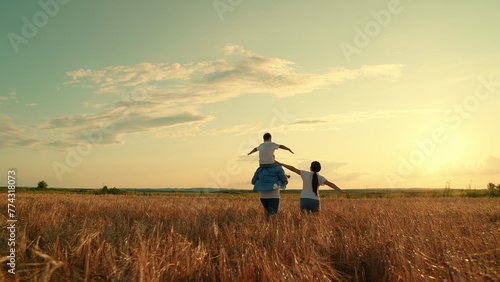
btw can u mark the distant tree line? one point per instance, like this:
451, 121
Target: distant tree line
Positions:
106, 190
493, 190
42, 185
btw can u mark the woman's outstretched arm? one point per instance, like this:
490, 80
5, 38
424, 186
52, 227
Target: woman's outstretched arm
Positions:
289, 167
334, 186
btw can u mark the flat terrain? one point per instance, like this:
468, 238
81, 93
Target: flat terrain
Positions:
72, 237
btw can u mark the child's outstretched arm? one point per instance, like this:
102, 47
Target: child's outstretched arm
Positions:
253, 151
334, 186
286, 148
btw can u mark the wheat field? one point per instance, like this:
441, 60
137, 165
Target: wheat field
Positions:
69, 237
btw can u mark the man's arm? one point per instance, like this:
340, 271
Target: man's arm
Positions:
334, 186
253, 151
289, 167
286, 148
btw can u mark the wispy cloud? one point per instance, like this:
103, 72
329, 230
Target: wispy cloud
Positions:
108, 128
13, 135
117, 79
331, 121
170, 95
349, 176
336, 120
240, 129
241, 72
11, 97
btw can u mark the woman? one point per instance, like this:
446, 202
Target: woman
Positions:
309, 197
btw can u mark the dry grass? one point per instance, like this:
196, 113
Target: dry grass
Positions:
65, 237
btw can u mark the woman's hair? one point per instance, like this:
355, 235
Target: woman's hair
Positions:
315, 167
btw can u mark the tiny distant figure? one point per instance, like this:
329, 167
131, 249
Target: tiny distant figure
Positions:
269, 177
266, 151
309, 197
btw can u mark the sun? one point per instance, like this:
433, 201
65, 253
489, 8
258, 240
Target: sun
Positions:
450, 153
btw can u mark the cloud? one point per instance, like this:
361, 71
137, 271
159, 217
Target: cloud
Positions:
108, 128
240, 129
335, 120
152, 89
241, 72
116, 79
152, 96
350, 176
308, 122
331, 121
15, 136
254, 73
11, 97
94, 106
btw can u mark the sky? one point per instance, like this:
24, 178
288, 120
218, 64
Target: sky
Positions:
153, 94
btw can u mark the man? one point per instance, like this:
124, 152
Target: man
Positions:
269, 177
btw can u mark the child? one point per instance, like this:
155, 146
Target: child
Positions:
266, 151
269, 175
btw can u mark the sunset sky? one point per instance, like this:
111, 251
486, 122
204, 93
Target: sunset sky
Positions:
176, 93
